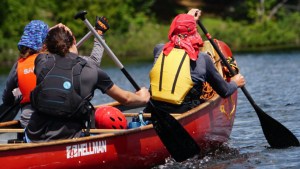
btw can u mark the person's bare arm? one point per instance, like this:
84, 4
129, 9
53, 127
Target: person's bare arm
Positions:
140, 98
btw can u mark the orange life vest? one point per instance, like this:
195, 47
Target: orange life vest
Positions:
26, 76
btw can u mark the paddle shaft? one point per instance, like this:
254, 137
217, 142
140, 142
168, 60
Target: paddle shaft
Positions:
109, 51
225, 61
87, 36
173, 135
11, 112
277, 135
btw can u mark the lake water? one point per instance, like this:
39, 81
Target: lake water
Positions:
273, 81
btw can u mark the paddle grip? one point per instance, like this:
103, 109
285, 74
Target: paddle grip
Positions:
80, 15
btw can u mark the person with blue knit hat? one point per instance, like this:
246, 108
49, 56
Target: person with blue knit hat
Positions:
34, 35
22, 80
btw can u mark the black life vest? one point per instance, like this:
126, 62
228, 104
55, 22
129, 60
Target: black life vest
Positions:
58, 94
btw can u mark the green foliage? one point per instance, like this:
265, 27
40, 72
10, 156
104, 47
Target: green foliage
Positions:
122, 15
260, 10
140, 41
137, 25
258, 36
15, 15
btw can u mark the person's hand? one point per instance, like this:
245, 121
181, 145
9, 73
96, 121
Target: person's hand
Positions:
195, 12
239, 80
17, 93
101, 25
233, 66
144, 93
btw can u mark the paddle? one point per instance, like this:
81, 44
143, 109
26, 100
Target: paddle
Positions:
82, 40
81, 15
277, 135
176, 139
8, 113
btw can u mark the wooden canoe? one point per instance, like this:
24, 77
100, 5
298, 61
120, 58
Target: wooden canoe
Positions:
210, 124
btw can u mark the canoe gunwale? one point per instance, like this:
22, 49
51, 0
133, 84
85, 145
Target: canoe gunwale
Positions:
179, 117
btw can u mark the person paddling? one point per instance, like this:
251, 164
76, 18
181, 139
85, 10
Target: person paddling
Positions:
22, 79
65, 85
180, 69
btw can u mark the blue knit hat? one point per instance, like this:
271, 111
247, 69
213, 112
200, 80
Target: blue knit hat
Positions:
34, 35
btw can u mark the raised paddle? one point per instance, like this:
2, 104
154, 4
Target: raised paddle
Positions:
277, 135
8, 113
81, 15
176, 139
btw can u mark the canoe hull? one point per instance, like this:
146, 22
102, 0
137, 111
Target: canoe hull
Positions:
209, 124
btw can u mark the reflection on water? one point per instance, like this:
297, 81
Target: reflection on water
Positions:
273, 82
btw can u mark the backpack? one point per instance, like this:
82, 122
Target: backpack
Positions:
56, 94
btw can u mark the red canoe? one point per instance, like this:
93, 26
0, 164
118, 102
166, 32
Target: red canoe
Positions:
210, 124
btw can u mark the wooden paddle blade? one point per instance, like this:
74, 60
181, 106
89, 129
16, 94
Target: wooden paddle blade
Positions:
277, 135
177, 140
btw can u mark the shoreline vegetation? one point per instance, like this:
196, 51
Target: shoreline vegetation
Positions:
141, 25
137, 47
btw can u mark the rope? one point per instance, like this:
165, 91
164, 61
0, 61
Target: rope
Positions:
207, 92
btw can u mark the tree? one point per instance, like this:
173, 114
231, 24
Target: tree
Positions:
266, 10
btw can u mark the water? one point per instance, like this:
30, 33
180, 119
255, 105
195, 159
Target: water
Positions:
273, 82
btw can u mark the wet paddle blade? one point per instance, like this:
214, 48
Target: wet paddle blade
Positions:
277, 135
177, 140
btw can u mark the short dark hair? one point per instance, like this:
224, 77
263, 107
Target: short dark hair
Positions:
59, 41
